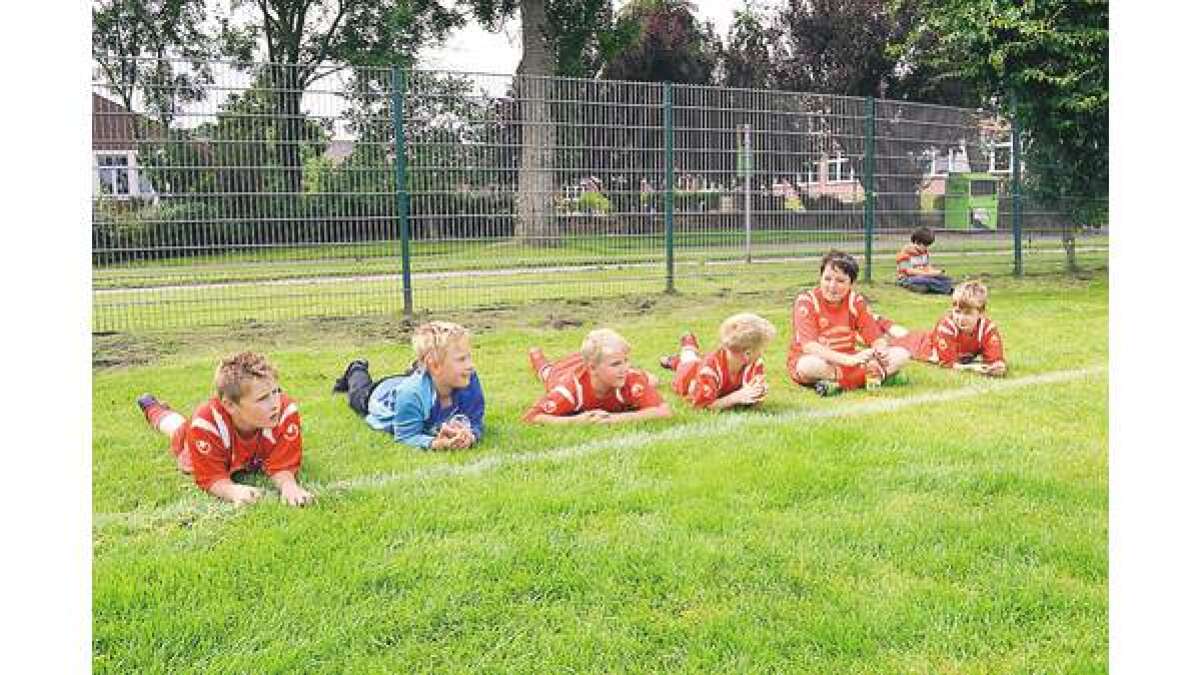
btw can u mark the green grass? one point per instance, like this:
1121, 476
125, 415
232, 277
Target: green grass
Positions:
963, 534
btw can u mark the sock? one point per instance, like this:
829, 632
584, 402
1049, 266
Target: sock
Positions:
851, 377
689, 354
167, 421
537, 361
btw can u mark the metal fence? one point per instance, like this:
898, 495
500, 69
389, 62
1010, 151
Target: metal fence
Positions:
262, 191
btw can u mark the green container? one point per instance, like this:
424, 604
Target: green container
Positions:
972, 201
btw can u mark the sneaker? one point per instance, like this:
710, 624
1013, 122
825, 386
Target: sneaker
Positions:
152, 409
668, 362
342, 384
827, 388
688, 339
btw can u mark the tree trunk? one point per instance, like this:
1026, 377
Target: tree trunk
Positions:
535, 179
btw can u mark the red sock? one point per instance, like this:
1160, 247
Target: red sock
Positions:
155, 412
537, 361
851, 377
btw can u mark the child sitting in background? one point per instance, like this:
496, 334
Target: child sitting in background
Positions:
913, 268
436, 405
732, 375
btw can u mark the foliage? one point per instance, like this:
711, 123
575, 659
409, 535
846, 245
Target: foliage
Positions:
671, 44
1051, 60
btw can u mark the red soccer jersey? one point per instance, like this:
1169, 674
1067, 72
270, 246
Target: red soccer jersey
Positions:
702, 381
569, 391
835, 326
912, 260
947, 345
217, 449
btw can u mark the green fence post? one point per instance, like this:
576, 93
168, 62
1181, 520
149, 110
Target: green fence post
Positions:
1017, 225
669, 166
398, 84
869, 185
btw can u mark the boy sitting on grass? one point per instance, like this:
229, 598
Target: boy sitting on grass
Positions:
436, 405
733, 375
248, 425
963, 335
914, 270
595, 384
827, 324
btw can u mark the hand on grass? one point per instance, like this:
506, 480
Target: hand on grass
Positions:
244, 494
294, 495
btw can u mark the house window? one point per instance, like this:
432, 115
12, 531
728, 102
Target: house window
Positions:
113, 171
839, 170
1001, 158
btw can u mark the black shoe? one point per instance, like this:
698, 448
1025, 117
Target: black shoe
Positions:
342, 384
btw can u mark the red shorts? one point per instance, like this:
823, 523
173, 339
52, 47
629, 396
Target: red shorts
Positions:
183, 458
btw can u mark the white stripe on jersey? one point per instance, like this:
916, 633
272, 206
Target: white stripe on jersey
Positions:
619, 397
566, 393
716, 375
203, 425
222, 429
268, 435
578, 395
290, 410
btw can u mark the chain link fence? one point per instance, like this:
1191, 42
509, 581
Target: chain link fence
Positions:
234, 191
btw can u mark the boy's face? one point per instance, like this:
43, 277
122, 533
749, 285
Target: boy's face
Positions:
966, 318
456, 369
612, 369
259, 406
835, 284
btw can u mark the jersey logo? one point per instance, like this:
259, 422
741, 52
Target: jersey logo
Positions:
549, 407
636, 390
291, 432
942, 344
823, 322
802, 310
203, 447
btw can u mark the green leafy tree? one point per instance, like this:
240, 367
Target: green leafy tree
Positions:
669, 44
1051, 58
304, 37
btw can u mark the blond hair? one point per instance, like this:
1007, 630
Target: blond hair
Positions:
431, 340
233, 372
970, 295
600, 341
746, 332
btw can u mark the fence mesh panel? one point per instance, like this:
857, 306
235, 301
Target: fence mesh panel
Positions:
275, 192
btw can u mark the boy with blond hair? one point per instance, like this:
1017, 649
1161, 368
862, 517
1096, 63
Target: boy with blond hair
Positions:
733, 375
249, 424
596, 384
437, 404
961, 335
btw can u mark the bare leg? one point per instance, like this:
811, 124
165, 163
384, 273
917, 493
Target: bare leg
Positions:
811, 369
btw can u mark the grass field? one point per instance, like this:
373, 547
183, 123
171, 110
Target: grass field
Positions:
950, 524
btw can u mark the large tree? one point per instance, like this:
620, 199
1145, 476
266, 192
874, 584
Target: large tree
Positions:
1051, 58
153, 54
670, 44
304, 37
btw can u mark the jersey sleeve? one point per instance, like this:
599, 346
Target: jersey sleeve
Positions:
289, 446
210, 457
703, 389
804, 321
993, 345
558, 402
865, 324
758, 369
473, 406
641, 394
945, 342
408, 426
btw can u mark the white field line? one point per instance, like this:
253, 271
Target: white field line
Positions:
201, 506
519, 271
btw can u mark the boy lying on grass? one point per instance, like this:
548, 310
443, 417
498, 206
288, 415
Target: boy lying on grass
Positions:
827, 323
436, 405
248, 425
964, 338
733, 375
595, 384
